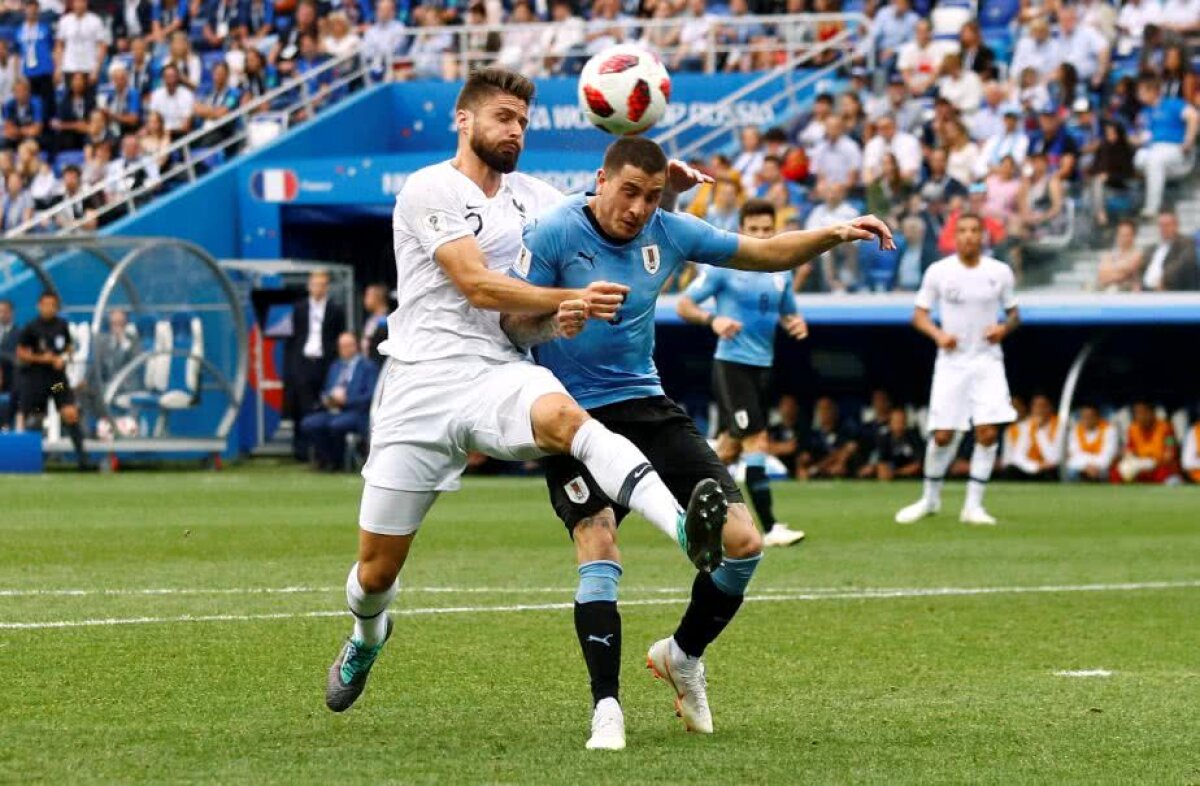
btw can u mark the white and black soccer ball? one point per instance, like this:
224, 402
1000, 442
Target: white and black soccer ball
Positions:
624, 89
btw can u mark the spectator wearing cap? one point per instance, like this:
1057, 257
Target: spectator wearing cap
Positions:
1171, 264
35, 45
1058, 145
1083, 47
1037, 50
24, 116
838, 158
838, 268
961, 87
977, 56
174, 102
82, 42
920, 59
894, 25
121, 102
1165, 140
889, 139
1011, 142
70, 123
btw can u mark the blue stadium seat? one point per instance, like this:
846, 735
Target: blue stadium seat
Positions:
877, 268
8, 33
66, 158
998, 13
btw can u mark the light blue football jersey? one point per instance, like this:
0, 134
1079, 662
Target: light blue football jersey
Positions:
757, 300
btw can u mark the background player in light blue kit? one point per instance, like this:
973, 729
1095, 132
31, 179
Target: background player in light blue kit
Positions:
619, 234
748, 308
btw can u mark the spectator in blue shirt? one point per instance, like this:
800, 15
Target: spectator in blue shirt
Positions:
120, 101
216, 104
24, 116
309, 60
258, 16
1166, 137
143, 74
169, 17
894, 25
345, 404
222, 18
35, 45
1053, 140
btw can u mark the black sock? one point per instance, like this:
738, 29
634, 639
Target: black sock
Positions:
75, 432
760, 495
709, 611
598, 626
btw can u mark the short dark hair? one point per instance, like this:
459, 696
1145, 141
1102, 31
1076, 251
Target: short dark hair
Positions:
1128, 222
487, 82
636, 151
824, 98
72, 168
776, 160
1151, 81
755, 207
49, 293
967, 215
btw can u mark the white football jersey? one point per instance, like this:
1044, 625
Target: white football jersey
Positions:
437, 204
968, 300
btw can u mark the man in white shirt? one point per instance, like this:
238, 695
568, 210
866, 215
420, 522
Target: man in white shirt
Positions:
920, 60
988, 121
838, 158
839, 267
82, 43
1083, 47
562, 36
694, 37
969, 388
962, 88
888, 139
1092, 446
316, 324
1182, 16
1037, 50
130, 172
174, 102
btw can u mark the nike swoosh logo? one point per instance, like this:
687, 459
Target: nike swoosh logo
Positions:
474, 207
640, 472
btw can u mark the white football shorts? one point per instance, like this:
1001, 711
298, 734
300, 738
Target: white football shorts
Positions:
969, 391
432, 414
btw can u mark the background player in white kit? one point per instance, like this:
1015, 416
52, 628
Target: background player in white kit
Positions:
969, 385
454, 382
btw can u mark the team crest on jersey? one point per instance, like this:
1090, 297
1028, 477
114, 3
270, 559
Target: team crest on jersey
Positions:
742, 418
524, 258
577, 490
435, 222
651, 259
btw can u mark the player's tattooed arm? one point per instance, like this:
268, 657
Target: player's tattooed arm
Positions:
529, 330
790, 249
1002, 330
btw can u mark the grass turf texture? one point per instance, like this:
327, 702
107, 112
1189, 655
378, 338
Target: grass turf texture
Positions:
941, 689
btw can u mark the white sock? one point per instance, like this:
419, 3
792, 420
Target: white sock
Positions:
983, 459
937, 461
370, 621
625, 475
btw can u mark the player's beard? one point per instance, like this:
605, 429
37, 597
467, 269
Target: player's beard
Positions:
500, 160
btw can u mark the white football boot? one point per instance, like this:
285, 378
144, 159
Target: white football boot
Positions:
917, 511
608, 727
685, 675
977, 515
782, 535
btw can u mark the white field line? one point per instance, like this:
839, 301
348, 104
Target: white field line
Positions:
1084, 673
865, 594
80, 593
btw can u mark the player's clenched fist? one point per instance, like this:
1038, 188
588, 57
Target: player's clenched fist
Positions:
726, 327
604, 299
570, 319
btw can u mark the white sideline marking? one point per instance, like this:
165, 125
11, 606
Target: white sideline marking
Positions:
26, 593
1084, 673
864, 594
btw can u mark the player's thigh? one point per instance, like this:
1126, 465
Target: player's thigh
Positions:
950, 398
413, 429
991, 402
574, 493
33, 396
394, 512
741, 390
498, 420
678, 452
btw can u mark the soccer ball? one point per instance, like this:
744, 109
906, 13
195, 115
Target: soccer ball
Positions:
624, 89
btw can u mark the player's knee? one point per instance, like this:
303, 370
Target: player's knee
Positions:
757, 443
727, 451
942, 438
377, 575
70, 415
555, 420
987, 436
596, 537
742, 539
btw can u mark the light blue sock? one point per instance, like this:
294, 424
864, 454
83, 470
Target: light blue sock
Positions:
732, 576
598, 581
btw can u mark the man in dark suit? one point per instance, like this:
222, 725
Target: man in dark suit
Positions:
345, 403
8, 355
976, 55
316, 324
1172, 265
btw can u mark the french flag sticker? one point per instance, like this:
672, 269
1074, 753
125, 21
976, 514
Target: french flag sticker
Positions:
275, 185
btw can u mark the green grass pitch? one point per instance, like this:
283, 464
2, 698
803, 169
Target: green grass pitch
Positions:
819, 680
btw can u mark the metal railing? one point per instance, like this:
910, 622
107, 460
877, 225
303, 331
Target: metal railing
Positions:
789, 74
201, 148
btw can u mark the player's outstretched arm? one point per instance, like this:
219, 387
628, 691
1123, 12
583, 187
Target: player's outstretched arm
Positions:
465, 265
790, 249
529, 330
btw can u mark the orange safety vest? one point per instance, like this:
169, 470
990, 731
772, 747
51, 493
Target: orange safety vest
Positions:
1035, 451
1195, 474
1152, 445
1092, 446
